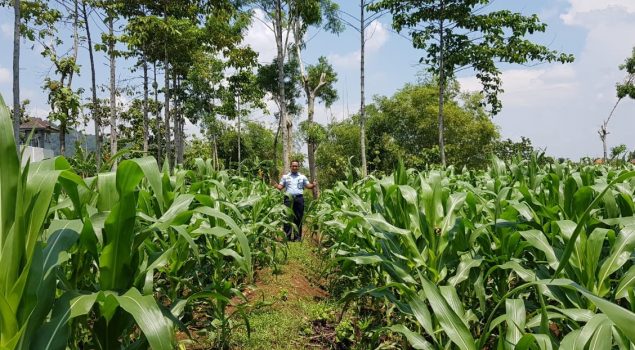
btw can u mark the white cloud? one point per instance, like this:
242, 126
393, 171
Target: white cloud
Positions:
578, 9
5, 76
260, 37
376, 36
560, 107
7, 30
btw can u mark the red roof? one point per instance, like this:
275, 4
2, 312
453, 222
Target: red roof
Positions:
38, 124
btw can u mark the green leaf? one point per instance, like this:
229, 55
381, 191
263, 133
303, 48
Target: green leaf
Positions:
584, 218
515, 318
449, 320
415, 340
626, 283
144, 309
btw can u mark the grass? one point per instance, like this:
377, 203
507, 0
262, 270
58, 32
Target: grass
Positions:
296, 301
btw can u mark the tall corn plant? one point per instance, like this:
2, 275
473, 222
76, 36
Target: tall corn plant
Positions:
27, 265
485, 277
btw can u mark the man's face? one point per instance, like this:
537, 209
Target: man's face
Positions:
294, 167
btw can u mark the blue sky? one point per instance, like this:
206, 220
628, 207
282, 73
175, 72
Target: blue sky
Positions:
559, 107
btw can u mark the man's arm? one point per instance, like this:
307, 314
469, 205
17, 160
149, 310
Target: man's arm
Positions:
310, 185
279, 185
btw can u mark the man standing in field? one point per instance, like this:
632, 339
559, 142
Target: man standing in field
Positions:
294, 183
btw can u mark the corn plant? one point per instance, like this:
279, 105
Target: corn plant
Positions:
519, 256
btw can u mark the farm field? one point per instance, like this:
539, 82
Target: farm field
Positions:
523, 255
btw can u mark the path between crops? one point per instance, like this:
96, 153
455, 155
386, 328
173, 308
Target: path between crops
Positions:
293, 307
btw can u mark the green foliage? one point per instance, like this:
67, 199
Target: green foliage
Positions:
340, 145
508, 149
405, 126
323, 75
627, 88
520, 255
466, 34
268, 81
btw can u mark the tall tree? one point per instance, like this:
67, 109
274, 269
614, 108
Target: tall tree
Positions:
461, 34
362, 24
624, 89
268, 80
316, 82
16, 73
283, 16
93, 80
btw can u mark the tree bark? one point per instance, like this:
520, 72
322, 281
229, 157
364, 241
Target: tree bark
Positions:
311, 146
238, 127
16, 74
155, 85
75, 41
113, 92
441, 89
145, 106
166, 93
175, 117
362, 108
96, 119
286, 129
62, 138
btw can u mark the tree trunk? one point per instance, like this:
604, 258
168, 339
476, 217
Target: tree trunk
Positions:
16, 74
238, 127
362, 108
62, 138
96, 119
441, 89
155, 85
75, 41
275, 173
312, 147
175, 117
113, 92
166, 94
286, 130
145, 106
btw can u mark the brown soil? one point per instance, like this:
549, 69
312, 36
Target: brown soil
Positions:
292, 283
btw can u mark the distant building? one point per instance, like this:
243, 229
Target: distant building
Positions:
40, 132
41, 129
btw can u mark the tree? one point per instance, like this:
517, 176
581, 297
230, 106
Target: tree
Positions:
318, 83
404, 127
93, 80
268, 80
624, 89
318, 80
35, 21
16, 72
364, 23
458, 35
285, 16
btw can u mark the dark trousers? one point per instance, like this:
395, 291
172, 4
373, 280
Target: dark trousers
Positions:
296, 203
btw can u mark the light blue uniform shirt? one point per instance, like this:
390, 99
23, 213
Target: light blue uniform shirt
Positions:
294, 183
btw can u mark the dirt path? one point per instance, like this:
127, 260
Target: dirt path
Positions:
289, 308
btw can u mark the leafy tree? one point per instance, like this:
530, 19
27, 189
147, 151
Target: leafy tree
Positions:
318, 82
268, 81
508, 149
287, 17
364, 23
35, 20
624, 89
459, 34
340, 145
401, 127
65, 103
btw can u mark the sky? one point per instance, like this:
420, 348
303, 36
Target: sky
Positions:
559, 107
